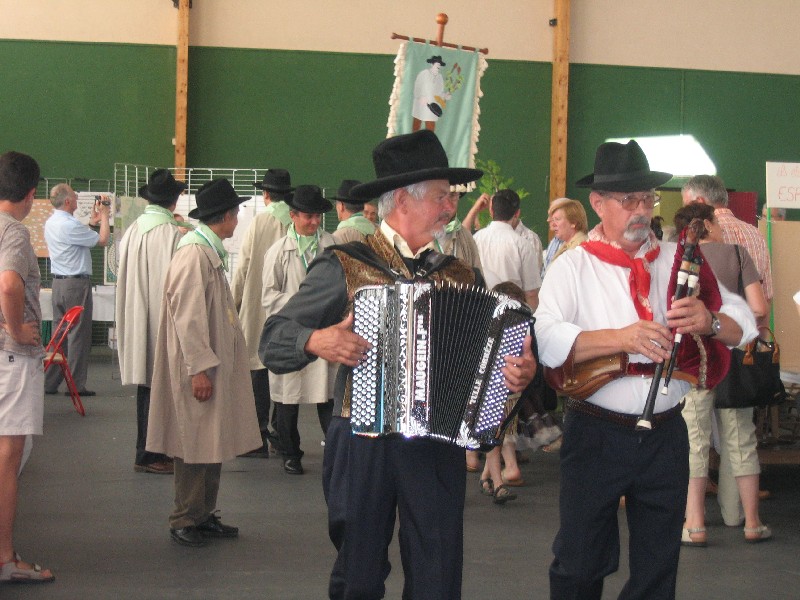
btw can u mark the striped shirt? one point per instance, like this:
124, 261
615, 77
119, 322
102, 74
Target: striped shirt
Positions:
735, 231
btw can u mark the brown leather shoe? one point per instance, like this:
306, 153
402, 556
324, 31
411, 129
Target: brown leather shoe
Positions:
162, 467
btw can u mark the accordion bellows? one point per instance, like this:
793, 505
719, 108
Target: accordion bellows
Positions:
434, 367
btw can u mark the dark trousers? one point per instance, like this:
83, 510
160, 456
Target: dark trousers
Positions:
260, 381
600, 462
367, 483
78, 343
143, 457
288, 434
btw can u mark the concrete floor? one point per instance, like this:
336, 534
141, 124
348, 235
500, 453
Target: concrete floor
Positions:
102, 528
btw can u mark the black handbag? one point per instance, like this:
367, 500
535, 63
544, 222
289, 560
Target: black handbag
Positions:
754, 378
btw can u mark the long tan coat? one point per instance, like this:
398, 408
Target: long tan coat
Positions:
200, 331
283, 273
246, 285
143, 263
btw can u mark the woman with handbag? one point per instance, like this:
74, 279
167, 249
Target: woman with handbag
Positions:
735, 270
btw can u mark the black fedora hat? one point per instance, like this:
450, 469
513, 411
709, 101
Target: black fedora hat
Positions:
308, 199
215, 197
162, 188
436, 59
276, 180
343, 193
405, 159
622, 168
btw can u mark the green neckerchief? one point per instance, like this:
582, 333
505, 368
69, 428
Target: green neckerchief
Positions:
358, 222
279, 210
155, 215
305, 244
204, 236
451, 227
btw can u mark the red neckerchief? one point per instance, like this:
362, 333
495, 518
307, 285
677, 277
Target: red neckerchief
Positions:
639, 276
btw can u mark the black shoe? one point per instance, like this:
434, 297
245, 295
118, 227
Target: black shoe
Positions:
187, 536
262, 452
293, 466
83, 394
52, 392
213, 527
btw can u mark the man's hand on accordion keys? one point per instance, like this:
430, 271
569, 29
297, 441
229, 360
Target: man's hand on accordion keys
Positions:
338, 343
520, 370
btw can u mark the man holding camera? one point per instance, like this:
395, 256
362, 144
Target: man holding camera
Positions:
69, 242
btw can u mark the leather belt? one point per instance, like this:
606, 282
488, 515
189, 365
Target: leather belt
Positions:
625, 420
81, 276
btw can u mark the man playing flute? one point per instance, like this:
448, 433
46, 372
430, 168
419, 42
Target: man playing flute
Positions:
609, 296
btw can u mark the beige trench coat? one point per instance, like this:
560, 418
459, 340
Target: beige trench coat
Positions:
200, 331
143, 263
284, 271
246, 285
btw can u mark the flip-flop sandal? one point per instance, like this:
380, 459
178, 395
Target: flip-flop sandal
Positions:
502, 494
487, 487
11, 572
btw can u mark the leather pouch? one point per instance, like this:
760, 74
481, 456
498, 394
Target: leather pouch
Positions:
581, 380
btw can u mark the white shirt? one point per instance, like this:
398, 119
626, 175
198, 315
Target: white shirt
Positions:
530, 236
583, 293
505, 256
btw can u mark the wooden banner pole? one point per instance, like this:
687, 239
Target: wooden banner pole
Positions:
559, 100
181, 88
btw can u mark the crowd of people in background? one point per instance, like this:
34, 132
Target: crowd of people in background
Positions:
188, 338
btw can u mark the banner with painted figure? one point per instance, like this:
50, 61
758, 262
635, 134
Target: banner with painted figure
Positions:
438, 89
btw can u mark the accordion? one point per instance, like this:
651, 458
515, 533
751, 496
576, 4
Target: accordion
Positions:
434, 367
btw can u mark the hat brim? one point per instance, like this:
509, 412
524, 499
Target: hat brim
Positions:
195, 212
326, 207
646, 181
166, 199
373, 189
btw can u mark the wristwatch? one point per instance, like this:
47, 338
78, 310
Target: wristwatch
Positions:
716, 326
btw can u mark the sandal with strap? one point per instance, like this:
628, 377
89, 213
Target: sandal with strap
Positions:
12, 572
687, 540
502, 494
754, 535
487, 487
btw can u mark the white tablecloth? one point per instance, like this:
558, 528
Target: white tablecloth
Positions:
102, 303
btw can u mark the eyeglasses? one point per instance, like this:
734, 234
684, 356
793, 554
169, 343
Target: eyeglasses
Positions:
631, 201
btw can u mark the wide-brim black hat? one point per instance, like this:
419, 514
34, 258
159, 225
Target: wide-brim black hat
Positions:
276, 180
343, 193
436, 59
308, 199
622, 168
162, 188
405, 159
215, 197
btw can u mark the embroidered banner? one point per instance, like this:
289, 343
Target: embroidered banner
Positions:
438, 89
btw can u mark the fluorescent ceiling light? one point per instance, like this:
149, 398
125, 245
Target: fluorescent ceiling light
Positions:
681, 155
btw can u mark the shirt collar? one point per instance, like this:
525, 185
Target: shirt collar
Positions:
401, 245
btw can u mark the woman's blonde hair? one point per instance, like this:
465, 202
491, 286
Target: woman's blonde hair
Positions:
575, 214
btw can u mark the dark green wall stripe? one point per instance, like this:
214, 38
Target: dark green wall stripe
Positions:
81, 107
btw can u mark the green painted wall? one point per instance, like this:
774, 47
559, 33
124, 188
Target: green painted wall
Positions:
742, 119
78, 108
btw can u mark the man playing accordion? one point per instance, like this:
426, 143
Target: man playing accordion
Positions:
610, 297
367, 481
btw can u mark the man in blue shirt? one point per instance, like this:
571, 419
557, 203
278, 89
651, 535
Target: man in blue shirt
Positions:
69, 242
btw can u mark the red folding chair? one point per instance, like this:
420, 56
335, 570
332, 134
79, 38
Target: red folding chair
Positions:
54, 355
